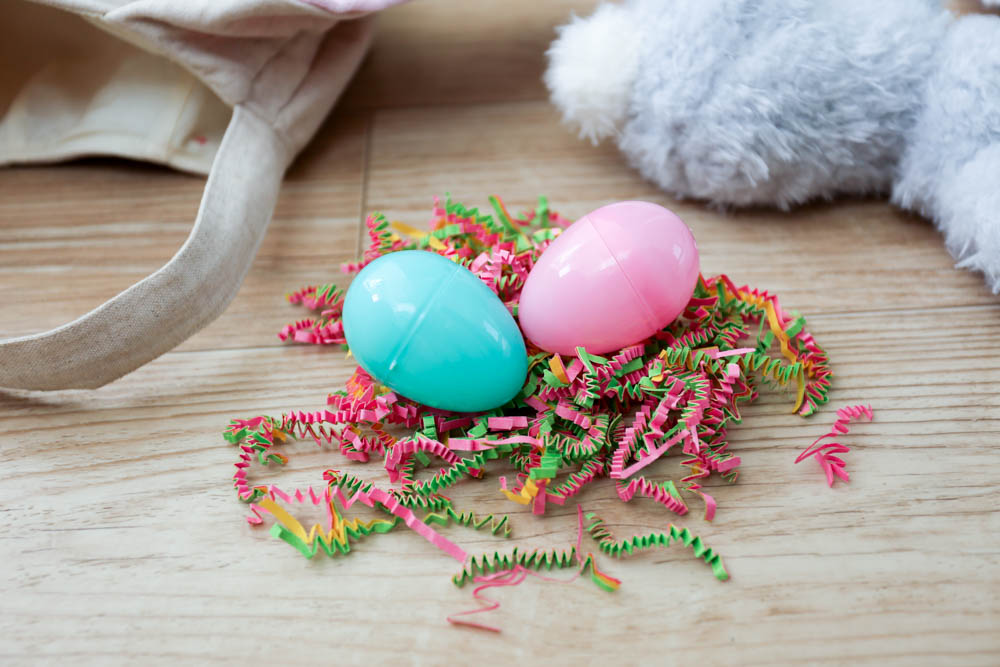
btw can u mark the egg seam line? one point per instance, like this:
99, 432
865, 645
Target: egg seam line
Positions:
422, 315
650, 318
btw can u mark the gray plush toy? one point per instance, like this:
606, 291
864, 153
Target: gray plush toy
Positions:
744, 102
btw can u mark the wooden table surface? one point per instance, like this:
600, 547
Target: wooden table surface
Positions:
122, 540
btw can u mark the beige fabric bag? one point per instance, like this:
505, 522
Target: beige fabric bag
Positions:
231, 88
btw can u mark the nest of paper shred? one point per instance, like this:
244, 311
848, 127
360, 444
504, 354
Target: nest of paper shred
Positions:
576, 419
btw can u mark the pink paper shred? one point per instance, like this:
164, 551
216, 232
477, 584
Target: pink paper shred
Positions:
826, 452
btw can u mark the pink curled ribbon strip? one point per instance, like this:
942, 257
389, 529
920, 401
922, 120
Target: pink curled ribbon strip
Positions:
825, 453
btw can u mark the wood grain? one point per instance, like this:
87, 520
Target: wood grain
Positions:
121, 538
442, 53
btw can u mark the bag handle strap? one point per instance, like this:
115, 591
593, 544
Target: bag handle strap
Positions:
192, 289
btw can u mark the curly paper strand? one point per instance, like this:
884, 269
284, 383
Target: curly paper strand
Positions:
824, 453
610, 546
520, 572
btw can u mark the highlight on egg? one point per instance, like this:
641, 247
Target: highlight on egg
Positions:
615, 277
431, 331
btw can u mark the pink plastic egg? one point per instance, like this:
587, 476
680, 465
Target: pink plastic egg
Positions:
613, 278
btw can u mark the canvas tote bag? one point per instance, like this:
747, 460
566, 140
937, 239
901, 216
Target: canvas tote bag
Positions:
229, 88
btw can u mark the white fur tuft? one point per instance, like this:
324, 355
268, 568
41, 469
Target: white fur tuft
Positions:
592, 65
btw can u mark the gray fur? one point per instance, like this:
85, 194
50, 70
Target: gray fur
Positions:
951, 168
777, 101
745, 102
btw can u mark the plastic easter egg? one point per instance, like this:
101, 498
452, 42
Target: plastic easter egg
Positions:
615, 277
430, 330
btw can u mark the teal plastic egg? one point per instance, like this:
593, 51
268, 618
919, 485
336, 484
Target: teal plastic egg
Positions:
430, 330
